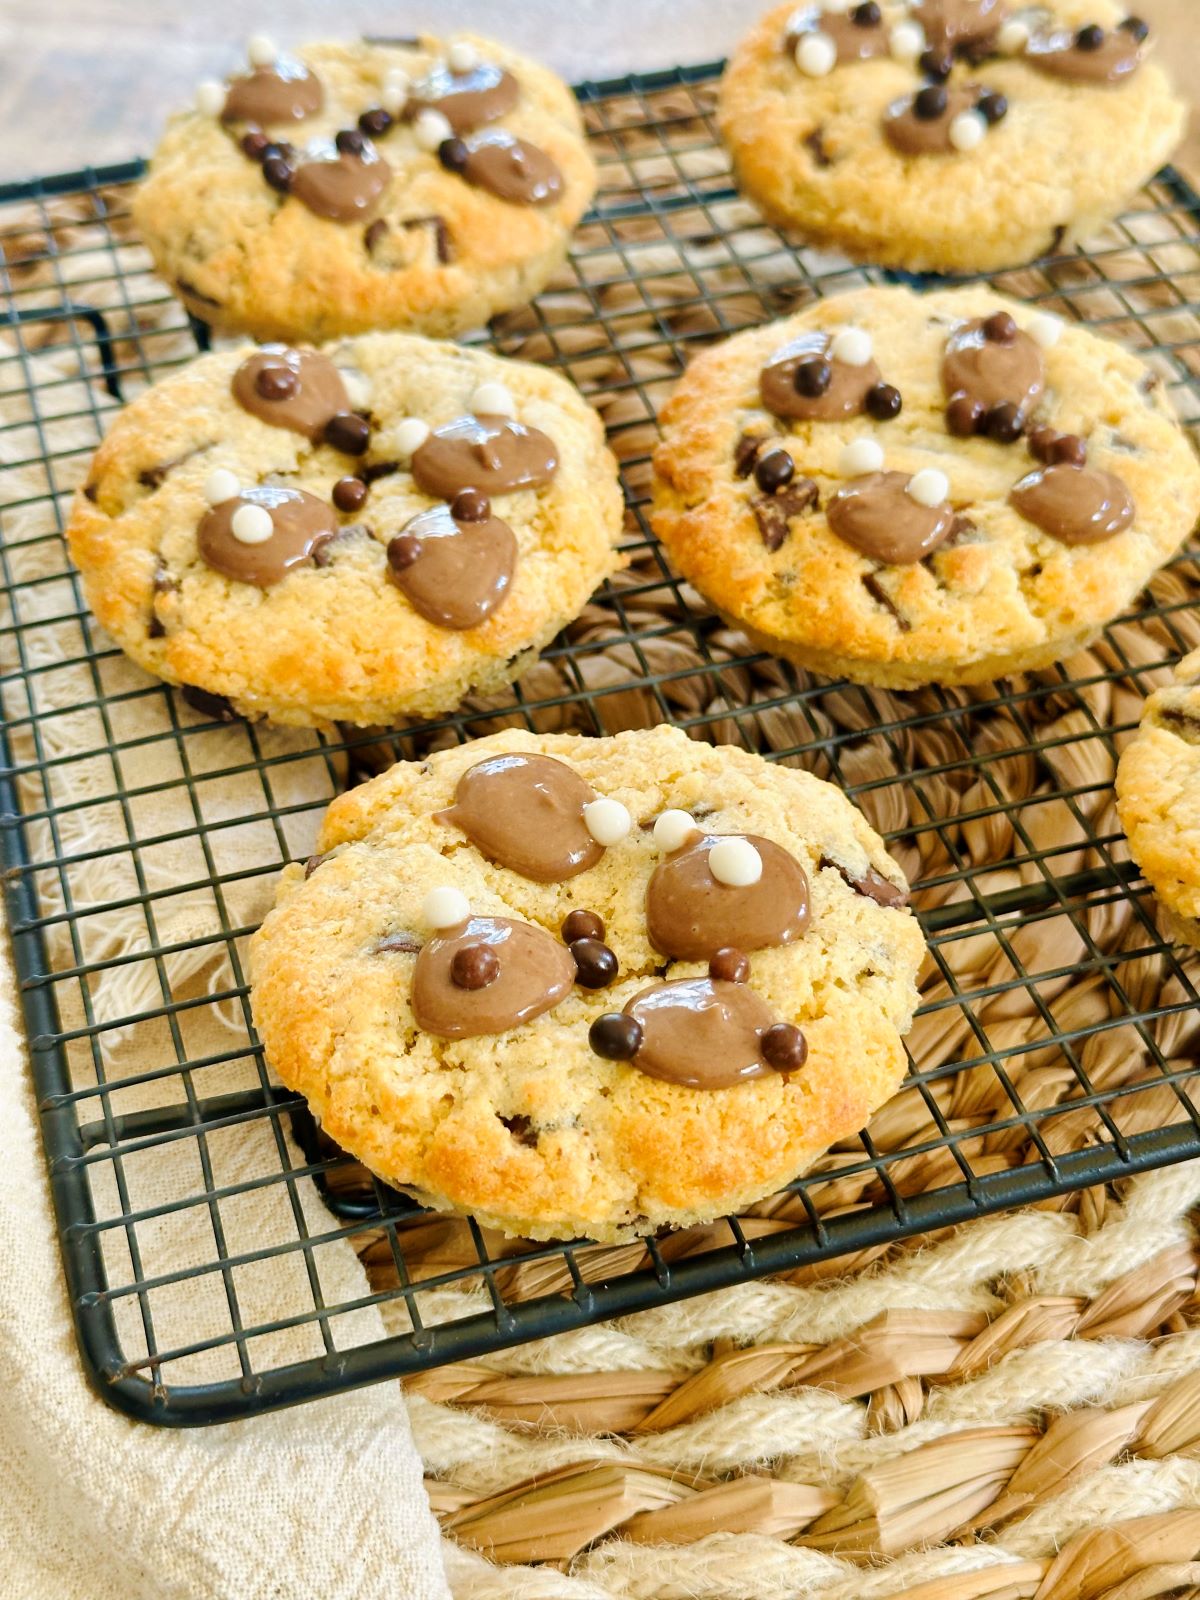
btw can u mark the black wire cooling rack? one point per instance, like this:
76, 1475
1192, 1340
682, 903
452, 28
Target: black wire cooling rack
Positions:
207, 1279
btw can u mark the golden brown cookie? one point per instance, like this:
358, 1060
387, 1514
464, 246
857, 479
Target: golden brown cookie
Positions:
347, 187
1019, 489
1032, 127
352, 535
476, 984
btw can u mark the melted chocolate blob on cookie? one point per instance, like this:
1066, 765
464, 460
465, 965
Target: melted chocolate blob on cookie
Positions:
703, 1033
914, 134
296, 389
453, 571
802, 380
525, 812
494, 454
467, 99
881, 519
690, 915
954, 24
1077, 505
300, 524
1062, 54
341, 185
992, 363
854, 40
286, 91
524, 969
511, 169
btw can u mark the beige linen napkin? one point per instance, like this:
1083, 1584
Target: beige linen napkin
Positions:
325, 1499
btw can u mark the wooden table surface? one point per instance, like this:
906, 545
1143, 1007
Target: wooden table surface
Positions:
92, 80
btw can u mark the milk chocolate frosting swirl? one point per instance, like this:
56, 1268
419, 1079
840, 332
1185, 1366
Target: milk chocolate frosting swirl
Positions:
342, 187
690, 915
845, 394
950, 24
526, 813
535, 971
453, 573
855, 41
296, 389
284, 92
703, 1033
494, 454
912, 135
511, 169
1078, 505
1058, 54
467, 99
301, 523
990, 371
877, 515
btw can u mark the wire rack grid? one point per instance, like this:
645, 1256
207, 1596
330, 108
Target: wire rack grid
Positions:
141, 834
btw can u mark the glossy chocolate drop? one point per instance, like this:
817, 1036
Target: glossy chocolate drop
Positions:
512, 169
690, 915
879, 518
300, 522
786, 395
342, 187
454, 573
286, 91
525, 812
993, 371
467, 99
534, 972
854, 40
318, 391
494, 454
1077, 505
952, 24
912, 134
1059, 54
700, 1033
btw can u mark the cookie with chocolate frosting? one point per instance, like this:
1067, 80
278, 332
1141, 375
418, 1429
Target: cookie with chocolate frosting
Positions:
352, 534
1158, 799
907, 489
586, 986
343, 187
947, 135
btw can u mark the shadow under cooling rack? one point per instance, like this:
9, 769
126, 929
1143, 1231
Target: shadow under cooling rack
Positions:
206, 1224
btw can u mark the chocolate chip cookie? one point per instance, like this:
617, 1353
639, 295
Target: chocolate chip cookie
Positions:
907, 489
344, 187
947, 135
590, 986
346, 535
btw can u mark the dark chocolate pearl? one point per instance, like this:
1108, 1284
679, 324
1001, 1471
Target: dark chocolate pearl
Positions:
278, 173
1070, 450
813, 377
992, 106
402, 551
931, 103
595, 964
474, 966
867, 15
729, 966
935, 66
1089, 38
784, 1047
350, 141
348, 432
1000, 328
963, 415
1041, 443
1139, 29
884, 402
276, 383
454, 154
349, 494
470, 505
375, 121
774, 469
1004, 423
582, 925
615, 1036
255, 143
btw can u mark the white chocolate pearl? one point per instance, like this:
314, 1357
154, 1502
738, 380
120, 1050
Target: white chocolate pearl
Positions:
252, 525
461, 56
408, 436
672, 830
906, 41
358, 390
492, 400
1013, 37
735, 862
608, 821
816, 54
860, 456
260, 50
221, 484
210, 98
929, 487
1045, 329
395, 93
853, 346
967, 130
445, 907
431, 129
